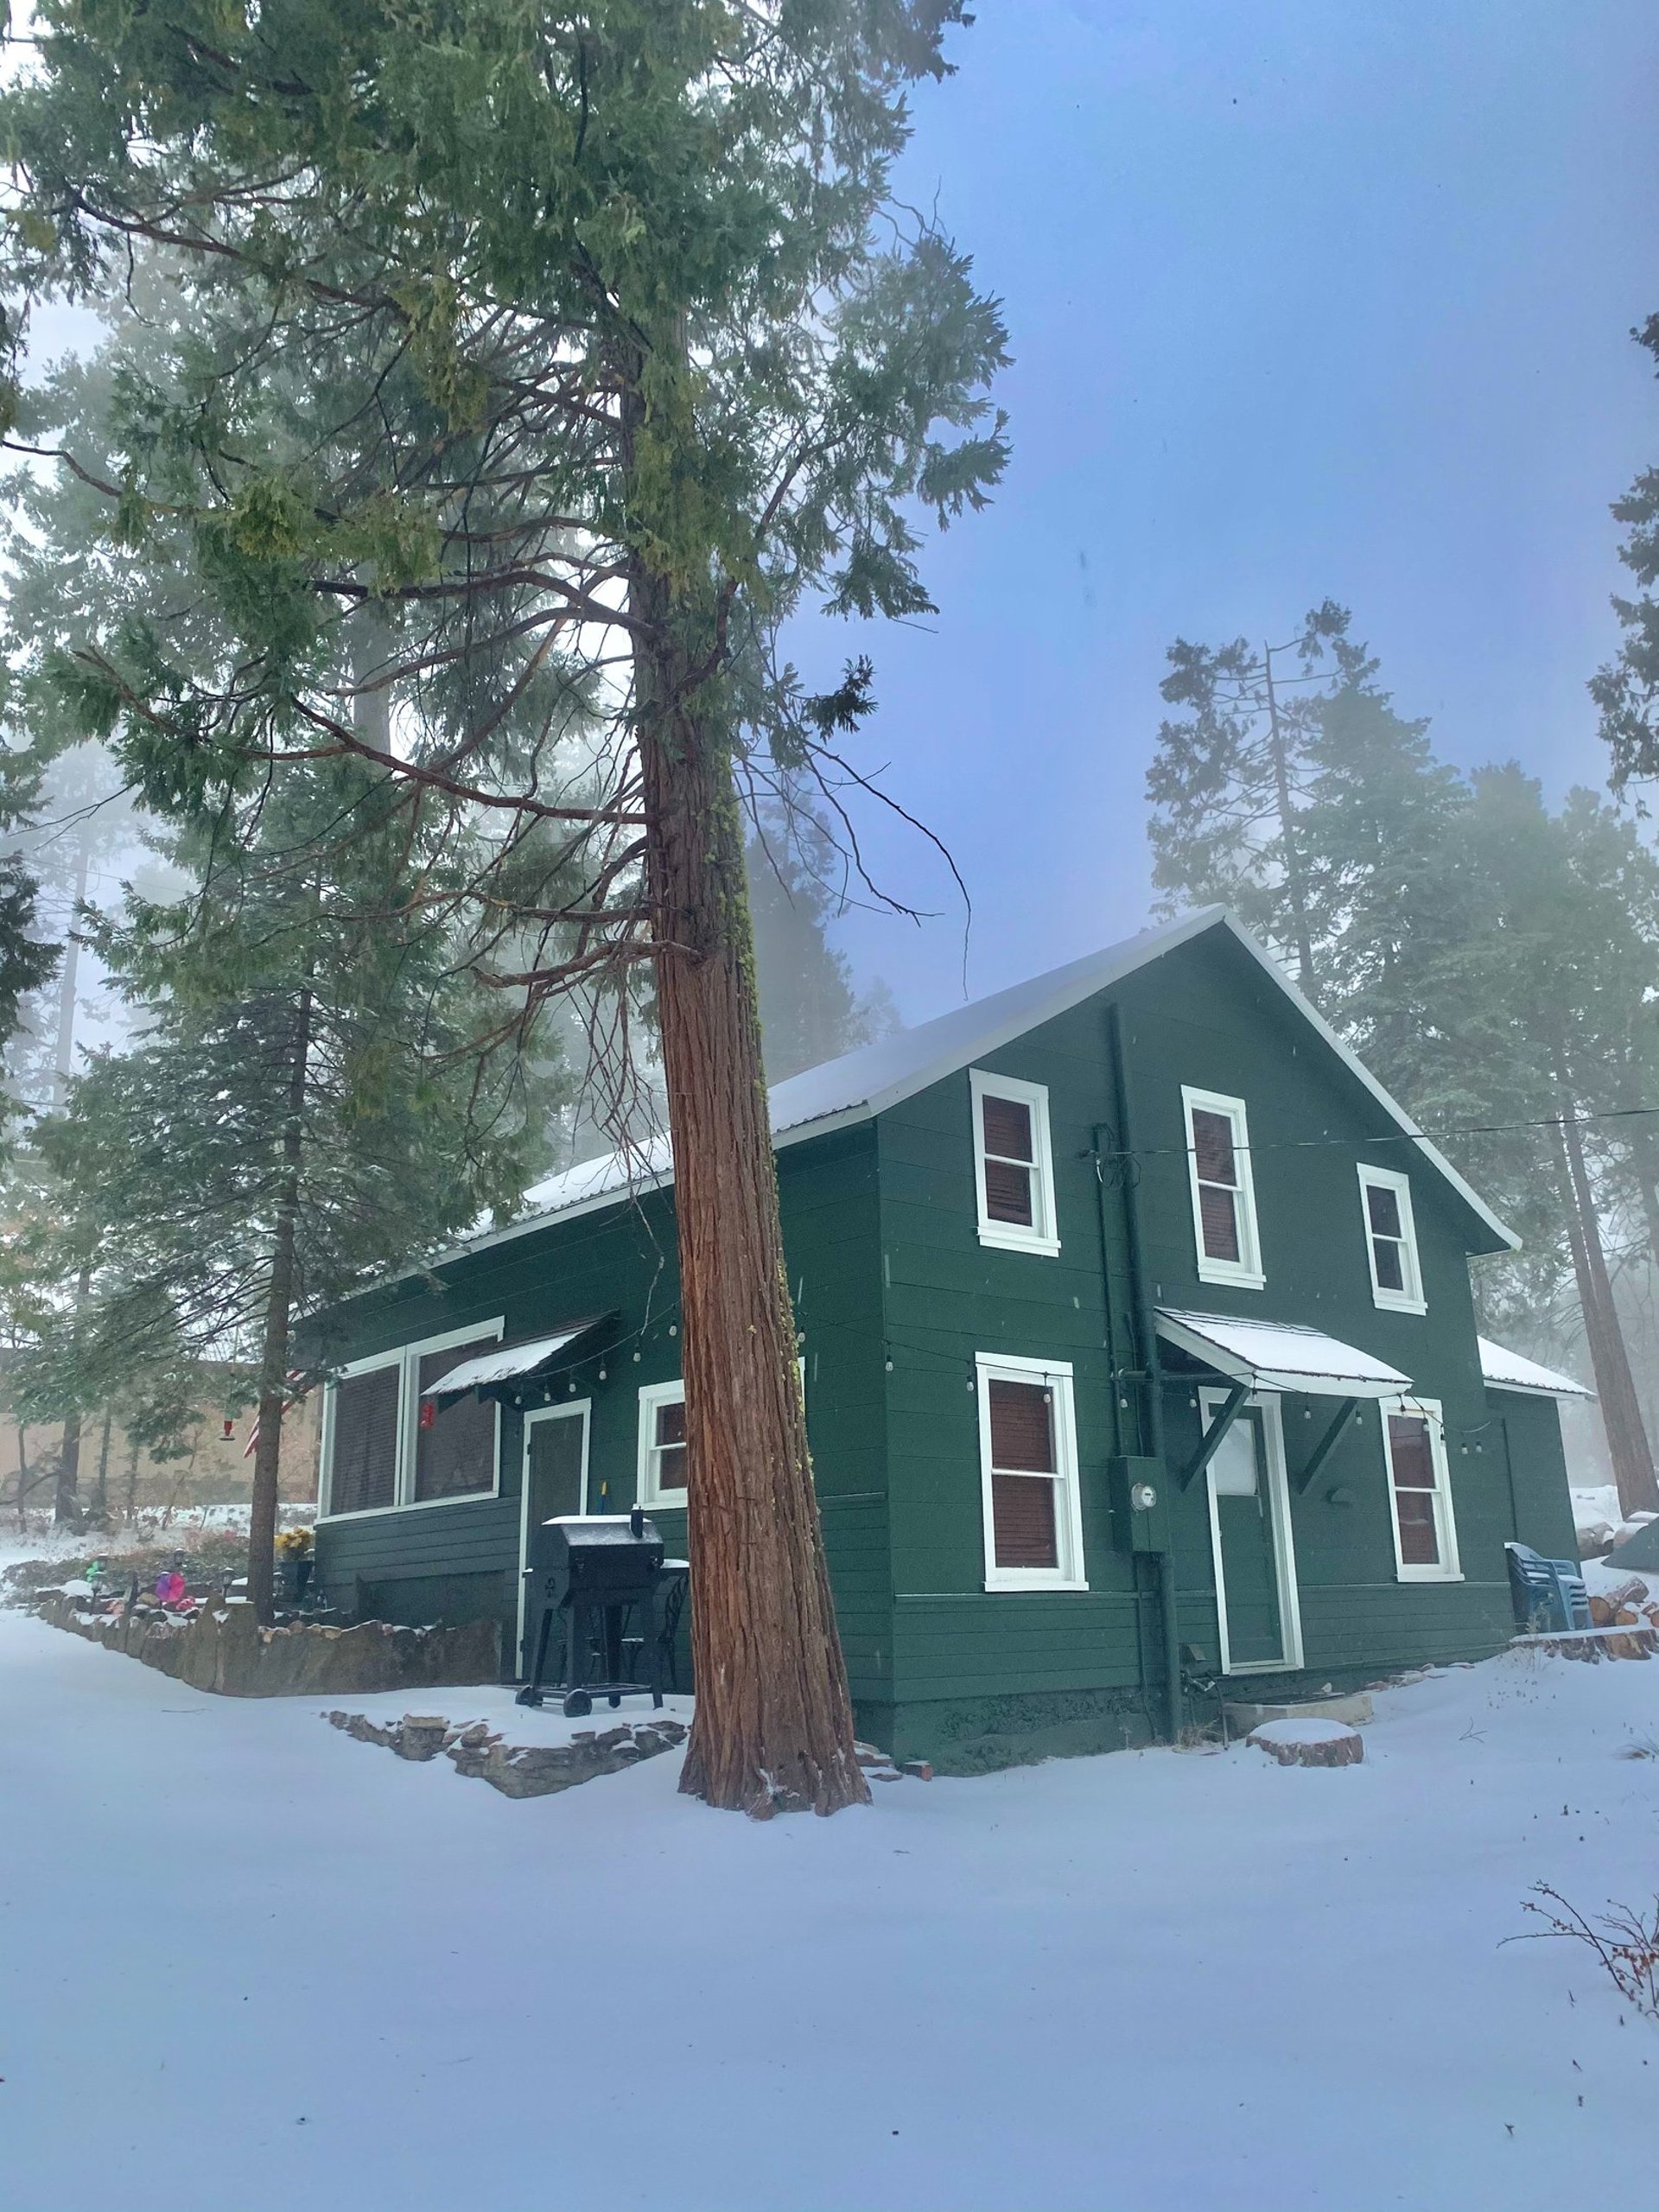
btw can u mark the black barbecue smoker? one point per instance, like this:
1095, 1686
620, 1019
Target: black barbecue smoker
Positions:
601, 1567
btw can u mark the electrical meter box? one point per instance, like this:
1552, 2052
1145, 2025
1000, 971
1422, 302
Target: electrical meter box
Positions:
1140, 1514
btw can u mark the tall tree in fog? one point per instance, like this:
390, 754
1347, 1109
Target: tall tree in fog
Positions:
1229, 779
604, 342
1627, 689
304, 1105
1491, 963
811, 1010
26, 962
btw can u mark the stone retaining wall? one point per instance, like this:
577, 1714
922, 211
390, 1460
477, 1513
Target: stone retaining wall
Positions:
222, 1649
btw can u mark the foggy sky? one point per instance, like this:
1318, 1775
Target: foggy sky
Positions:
1305, 300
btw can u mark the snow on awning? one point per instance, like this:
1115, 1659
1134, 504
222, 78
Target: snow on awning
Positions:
507, 1361
1507, 1371
1280, 1356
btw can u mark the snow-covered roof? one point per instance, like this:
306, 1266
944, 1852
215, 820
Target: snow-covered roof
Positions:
865, 1083
1280, 1356
1507, 1371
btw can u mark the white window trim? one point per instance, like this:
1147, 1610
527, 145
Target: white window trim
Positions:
565, 1409
1004, 1367
652, 1396
1267, 1403
1445, 1518
1411, 1298
407, 1359
1244, 1272
1042, 1236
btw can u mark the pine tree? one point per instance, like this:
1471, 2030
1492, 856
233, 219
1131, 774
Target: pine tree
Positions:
579, 349
1627, 689
1229, 780
305, 1106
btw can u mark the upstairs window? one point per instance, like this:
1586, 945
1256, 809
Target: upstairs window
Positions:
1224, 1193
1028, 1467
1391, 1241
1425, 1532
1014, 1165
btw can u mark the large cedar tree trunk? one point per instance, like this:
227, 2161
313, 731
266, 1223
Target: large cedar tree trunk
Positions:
773, 1730
1621, 1410
273, 1358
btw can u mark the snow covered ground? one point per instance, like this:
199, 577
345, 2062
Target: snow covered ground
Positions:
245, 1960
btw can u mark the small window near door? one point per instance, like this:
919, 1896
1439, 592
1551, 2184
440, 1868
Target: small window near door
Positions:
1425, 1532
662, 1445
362, 1456
1223, 1191
1028, 1461
1391, 1240
1014, 1165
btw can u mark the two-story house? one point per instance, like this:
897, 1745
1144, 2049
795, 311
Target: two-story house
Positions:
1139, 1354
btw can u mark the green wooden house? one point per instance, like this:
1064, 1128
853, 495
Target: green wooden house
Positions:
1139, 1353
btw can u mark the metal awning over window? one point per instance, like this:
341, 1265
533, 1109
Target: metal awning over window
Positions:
1502, 1369
512, 1362
1280, 1356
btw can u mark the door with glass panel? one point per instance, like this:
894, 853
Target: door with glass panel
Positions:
1249, 1536
556, 1483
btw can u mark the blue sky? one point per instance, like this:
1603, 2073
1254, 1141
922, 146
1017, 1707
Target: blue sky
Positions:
1305, 300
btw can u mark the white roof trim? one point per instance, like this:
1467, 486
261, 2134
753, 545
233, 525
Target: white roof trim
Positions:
1507, 1371
505, 1362
861, 1084
1280, 1356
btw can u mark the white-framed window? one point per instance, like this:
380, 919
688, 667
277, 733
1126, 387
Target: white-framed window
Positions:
1391, 1240
662, 1477
1028, 1474
1420, 1490
662, 1445
1014, 1165
1223, 1191
386, 1446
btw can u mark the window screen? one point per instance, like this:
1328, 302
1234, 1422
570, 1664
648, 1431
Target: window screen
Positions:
455, 1438
669, 1444
363, 1466
1411, 1457
1022, 1474
1009, 1155
1216, 1166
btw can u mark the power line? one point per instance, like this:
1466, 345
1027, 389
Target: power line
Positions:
1416, 1136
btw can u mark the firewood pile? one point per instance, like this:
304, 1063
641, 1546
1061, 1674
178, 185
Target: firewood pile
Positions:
1629, 1607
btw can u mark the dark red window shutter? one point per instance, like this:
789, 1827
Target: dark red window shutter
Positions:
1022, 1427
1022, 1514
1218, 1213
1213, 1147
1007, 1124
1008, 1194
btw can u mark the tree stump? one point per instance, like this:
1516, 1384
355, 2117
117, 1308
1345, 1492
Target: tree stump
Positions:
1309, 1742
